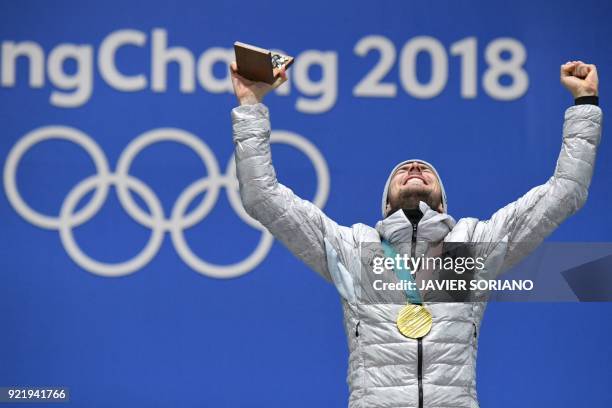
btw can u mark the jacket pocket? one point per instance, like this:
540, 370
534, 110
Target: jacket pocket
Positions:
473, 348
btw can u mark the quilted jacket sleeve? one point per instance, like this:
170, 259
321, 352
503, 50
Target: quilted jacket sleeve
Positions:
298, 224
523, 224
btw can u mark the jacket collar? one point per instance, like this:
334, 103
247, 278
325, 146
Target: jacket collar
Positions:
433, 227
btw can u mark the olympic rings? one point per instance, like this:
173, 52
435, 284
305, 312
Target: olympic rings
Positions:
155, 219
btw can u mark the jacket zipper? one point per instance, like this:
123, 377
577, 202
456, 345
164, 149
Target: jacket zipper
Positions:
419, 340
420, 370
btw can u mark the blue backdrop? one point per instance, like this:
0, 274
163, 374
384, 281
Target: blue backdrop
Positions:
471, 86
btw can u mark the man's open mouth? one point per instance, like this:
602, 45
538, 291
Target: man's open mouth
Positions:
413, 176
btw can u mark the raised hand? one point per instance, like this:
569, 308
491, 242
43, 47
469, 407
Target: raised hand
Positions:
580, 78
251, 92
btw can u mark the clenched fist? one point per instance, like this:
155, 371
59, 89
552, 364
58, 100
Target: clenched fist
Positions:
580, 78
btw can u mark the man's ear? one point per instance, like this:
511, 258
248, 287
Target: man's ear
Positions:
387, 208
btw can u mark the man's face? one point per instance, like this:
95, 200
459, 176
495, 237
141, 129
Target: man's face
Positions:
411, 183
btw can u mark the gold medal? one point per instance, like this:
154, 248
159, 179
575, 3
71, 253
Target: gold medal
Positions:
414, 321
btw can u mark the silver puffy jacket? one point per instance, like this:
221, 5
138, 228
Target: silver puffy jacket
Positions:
385, 368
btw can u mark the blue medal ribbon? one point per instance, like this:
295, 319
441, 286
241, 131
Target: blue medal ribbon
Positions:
403, 275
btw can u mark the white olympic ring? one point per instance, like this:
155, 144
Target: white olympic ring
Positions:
155, 219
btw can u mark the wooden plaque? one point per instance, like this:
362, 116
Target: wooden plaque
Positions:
258, 64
